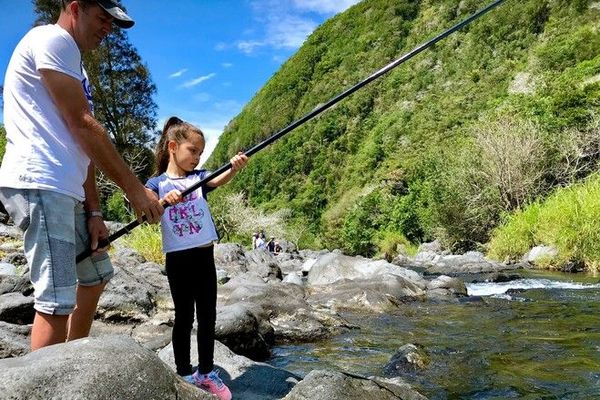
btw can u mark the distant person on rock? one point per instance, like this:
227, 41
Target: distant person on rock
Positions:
254, 237
260, 243
271, 245
47, 178
188, 234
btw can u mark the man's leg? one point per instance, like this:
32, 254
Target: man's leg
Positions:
85, 309
48, 329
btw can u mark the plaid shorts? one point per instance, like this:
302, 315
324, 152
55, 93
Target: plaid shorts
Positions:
55, 229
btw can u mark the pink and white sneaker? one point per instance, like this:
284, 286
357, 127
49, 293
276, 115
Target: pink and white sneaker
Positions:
212, 383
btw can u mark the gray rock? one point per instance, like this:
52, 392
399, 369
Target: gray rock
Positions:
381, 294
16, 308
409, 358
239, 328
293, 278
263, 264
231, 258
540, 252
334, 267
330, 385
14, 283
453, 285
10, 231
14, 339
7, 269
247, 379
111, 367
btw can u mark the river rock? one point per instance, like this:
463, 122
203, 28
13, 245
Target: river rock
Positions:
111, 367
7, 269
409, 358
15, 283
380, 294
247, 379
240, 329
539, 253
14, 339
16, 308
330, 385
453, 285
263, 264
333, 267
230, 257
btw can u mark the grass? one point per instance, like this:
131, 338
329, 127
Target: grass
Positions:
569, 220
147, 241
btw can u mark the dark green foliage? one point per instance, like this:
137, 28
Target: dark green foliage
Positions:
385, 158
2, 141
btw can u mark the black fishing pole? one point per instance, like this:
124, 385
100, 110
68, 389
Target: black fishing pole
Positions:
126, 229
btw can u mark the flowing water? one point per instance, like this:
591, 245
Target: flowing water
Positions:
533, 338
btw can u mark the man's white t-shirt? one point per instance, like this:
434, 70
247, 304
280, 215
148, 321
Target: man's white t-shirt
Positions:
41, 153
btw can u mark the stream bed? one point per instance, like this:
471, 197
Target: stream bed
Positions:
531, 338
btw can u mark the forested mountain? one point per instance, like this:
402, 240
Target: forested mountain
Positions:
494, 116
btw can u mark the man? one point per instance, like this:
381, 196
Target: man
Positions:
47, 182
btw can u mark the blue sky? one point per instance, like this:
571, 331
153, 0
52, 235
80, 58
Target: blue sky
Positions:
207, 58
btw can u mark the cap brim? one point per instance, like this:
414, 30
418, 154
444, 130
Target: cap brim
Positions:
121, 19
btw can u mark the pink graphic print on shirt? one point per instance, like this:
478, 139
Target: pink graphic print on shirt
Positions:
186, 216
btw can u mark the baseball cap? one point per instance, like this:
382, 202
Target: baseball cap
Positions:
122, 20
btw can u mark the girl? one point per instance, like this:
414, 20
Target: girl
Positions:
188, 234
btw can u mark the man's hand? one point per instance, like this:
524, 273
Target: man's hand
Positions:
98, 231
145, 202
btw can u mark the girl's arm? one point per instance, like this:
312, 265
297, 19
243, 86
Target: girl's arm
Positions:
238, 162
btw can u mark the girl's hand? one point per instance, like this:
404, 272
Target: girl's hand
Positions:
238, 161
172, 198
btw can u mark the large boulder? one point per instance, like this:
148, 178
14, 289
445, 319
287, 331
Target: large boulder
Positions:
243, 328
333, 267
111, 367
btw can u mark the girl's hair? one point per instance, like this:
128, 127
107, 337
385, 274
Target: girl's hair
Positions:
177, 130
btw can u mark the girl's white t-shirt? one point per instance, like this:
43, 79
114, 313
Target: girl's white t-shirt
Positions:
188, 224
41, 152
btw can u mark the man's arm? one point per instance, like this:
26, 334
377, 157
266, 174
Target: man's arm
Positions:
68, 95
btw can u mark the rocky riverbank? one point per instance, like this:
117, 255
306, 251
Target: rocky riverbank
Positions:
263, 299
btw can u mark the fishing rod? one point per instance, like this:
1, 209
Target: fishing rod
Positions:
318, 110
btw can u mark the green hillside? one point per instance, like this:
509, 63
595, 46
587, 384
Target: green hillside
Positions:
491, 118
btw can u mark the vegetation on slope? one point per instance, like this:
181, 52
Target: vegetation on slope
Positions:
415, 153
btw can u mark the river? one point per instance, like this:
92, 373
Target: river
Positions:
531, 338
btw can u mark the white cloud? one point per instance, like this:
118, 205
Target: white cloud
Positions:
287, 23
324, 6
178, 73
249, 46
227, 65
197, 81
289, 32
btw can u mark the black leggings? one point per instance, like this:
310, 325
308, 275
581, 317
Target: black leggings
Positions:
193, 280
